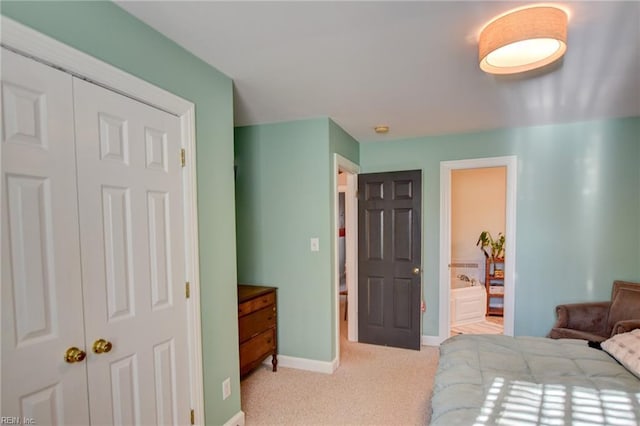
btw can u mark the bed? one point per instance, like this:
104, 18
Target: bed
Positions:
495, 379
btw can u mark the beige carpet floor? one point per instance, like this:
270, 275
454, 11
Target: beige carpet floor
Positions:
374, 385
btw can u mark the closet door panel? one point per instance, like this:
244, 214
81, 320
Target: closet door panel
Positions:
118, 252
131, 218
42, 312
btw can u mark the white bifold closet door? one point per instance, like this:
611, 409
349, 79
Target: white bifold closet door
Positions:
42, 307
92, 248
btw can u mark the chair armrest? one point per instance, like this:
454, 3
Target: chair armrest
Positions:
591, 316
625, 326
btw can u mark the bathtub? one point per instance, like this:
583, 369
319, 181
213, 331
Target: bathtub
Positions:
468, 303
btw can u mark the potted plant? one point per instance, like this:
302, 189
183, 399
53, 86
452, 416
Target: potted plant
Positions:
497, 246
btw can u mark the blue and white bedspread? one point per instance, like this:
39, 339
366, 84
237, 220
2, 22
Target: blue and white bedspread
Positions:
502, 380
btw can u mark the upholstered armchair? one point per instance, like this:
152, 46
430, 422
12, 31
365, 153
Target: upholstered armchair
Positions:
597, 321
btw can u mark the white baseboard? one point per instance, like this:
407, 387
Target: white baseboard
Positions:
431, 340
237, 420
327, 367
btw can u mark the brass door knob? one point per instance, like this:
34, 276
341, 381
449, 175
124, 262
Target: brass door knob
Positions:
416, 271
101, 346
74, 354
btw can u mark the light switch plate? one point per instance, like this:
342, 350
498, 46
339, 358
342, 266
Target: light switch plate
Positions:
226, 388
315, 244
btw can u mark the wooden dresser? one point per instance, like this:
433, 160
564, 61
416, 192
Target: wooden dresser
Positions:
257, 326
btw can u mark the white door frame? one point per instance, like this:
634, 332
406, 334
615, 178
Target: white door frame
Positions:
42, 48
351, 248
446, 167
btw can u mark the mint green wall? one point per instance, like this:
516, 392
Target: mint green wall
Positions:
282, 193
578, 209
284, 197
107, 32
340, 142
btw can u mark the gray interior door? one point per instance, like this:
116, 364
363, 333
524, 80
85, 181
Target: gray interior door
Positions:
389, 256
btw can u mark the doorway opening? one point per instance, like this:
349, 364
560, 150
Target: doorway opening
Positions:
345, 243
478, 198
491, 277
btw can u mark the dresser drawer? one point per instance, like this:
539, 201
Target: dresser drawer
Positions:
260, 302
256, 322
253, 351
257, 326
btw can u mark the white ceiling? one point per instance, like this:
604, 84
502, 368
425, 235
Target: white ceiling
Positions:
411, 65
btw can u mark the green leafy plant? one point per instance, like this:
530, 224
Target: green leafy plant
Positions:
497, 246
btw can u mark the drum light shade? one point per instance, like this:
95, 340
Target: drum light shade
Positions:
523, 40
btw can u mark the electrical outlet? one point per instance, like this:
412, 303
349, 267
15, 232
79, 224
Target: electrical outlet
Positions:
226, 388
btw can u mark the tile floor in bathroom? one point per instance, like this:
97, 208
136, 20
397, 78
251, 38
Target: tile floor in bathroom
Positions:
490, 325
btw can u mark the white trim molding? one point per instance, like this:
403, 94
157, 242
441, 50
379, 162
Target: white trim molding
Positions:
351, 249
28, 42
327, 367
446, 167
236, 420
431, 340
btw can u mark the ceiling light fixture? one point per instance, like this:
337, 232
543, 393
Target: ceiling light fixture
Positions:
381, 129
523, 40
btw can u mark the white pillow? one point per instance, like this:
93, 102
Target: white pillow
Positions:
625, 348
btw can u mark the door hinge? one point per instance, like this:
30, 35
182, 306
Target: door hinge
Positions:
193, 416
187, 290
183, 157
